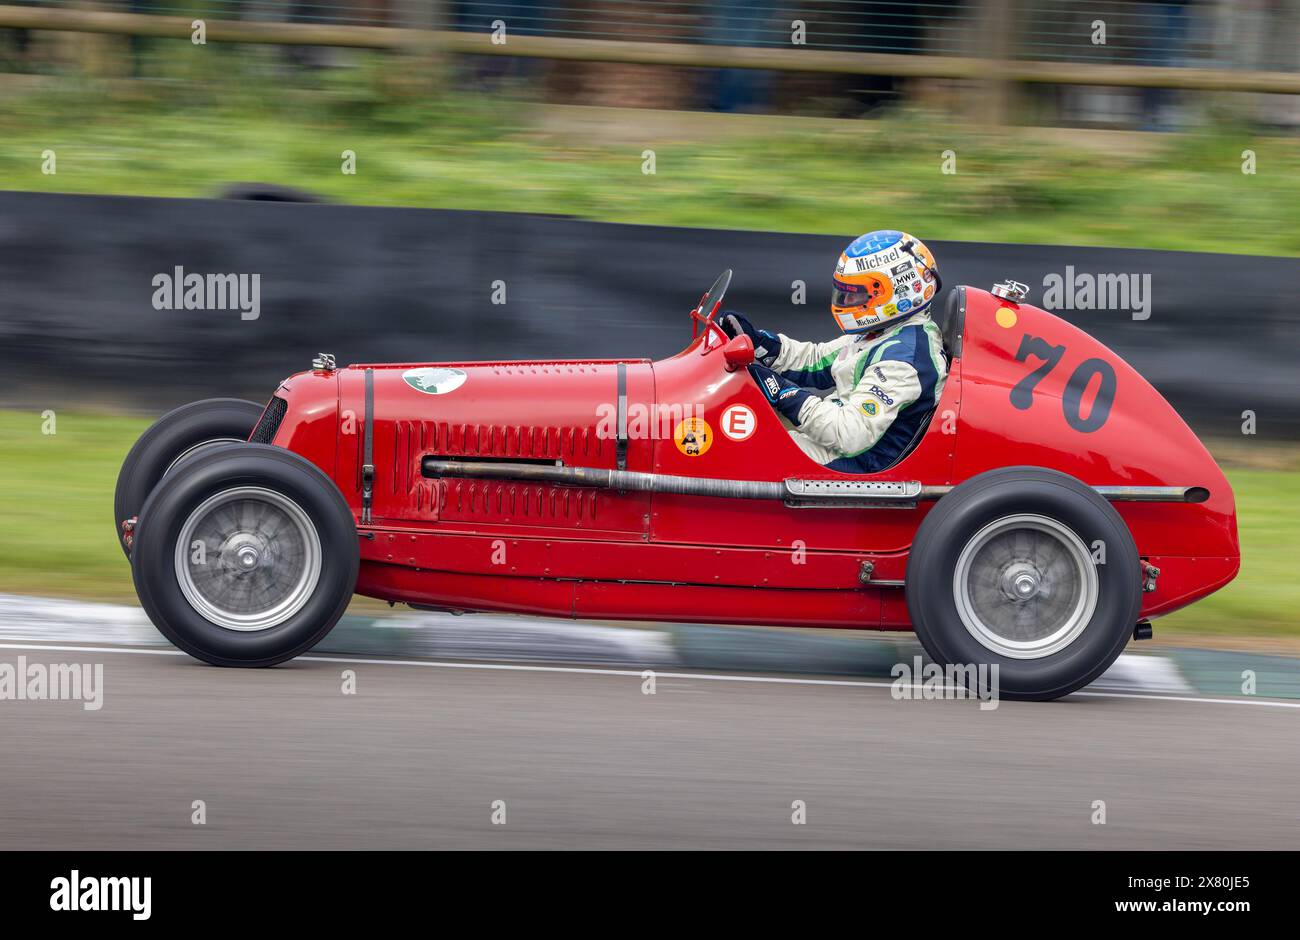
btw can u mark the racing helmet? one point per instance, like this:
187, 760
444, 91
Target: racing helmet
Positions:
883, 277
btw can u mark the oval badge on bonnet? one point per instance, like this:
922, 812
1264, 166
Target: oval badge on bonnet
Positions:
434, 381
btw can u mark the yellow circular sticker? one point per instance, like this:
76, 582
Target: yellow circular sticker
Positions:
693, 437
1006, 317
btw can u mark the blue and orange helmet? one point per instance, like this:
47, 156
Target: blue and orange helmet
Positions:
881, 278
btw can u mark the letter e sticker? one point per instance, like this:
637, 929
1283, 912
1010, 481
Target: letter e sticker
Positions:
738, 422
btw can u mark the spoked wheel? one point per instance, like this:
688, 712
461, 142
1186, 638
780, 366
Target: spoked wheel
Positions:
176, 436
1028, 569
245, 556
248, 558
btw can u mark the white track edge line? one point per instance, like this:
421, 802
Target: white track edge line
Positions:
715, 677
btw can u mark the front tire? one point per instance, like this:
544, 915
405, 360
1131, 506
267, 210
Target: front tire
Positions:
182, 432
1030, 570
245, 556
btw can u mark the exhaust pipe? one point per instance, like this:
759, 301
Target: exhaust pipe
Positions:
626, 480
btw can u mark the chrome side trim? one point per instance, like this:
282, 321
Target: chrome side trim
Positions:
853, 489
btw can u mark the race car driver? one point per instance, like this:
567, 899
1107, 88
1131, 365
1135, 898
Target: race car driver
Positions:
887, 371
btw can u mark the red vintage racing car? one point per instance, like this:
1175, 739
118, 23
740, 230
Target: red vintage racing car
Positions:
1052, 505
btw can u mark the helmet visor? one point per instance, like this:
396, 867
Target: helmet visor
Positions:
844, 294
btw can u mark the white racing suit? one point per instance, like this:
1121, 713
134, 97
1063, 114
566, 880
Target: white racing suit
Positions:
885, 384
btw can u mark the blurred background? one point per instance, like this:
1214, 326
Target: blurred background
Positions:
1137, 64
381, 162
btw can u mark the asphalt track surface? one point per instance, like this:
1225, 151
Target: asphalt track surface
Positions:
583, 759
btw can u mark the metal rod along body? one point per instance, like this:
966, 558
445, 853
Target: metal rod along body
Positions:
830, 493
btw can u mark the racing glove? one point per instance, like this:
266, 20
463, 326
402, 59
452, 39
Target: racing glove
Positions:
767, 346
781, 393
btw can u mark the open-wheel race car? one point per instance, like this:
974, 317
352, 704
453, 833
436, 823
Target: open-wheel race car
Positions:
1051, 505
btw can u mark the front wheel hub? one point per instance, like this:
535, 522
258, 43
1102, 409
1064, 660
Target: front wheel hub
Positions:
248, 558
243, 553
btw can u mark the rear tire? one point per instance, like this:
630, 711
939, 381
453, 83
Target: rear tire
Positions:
245, 556
176, 435
1002, 572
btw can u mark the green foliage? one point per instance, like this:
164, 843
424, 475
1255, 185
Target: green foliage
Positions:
56, 495
220, 117
1264, 599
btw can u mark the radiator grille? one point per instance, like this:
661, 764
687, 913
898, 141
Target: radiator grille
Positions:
269, 423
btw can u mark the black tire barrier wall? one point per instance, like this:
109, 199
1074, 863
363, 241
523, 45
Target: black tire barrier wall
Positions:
77, 324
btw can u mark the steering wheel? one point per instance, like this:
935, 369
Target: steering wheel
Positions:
708, 308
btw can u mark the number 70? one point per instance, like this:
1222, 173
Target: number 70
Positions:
1022, 393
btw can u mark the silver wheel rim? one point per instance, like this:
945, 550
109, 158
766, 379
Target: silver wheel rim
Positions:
248, 558
1025, 586
202, 445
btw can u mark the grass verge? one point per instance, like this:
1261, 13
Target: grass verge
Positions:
216, 119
